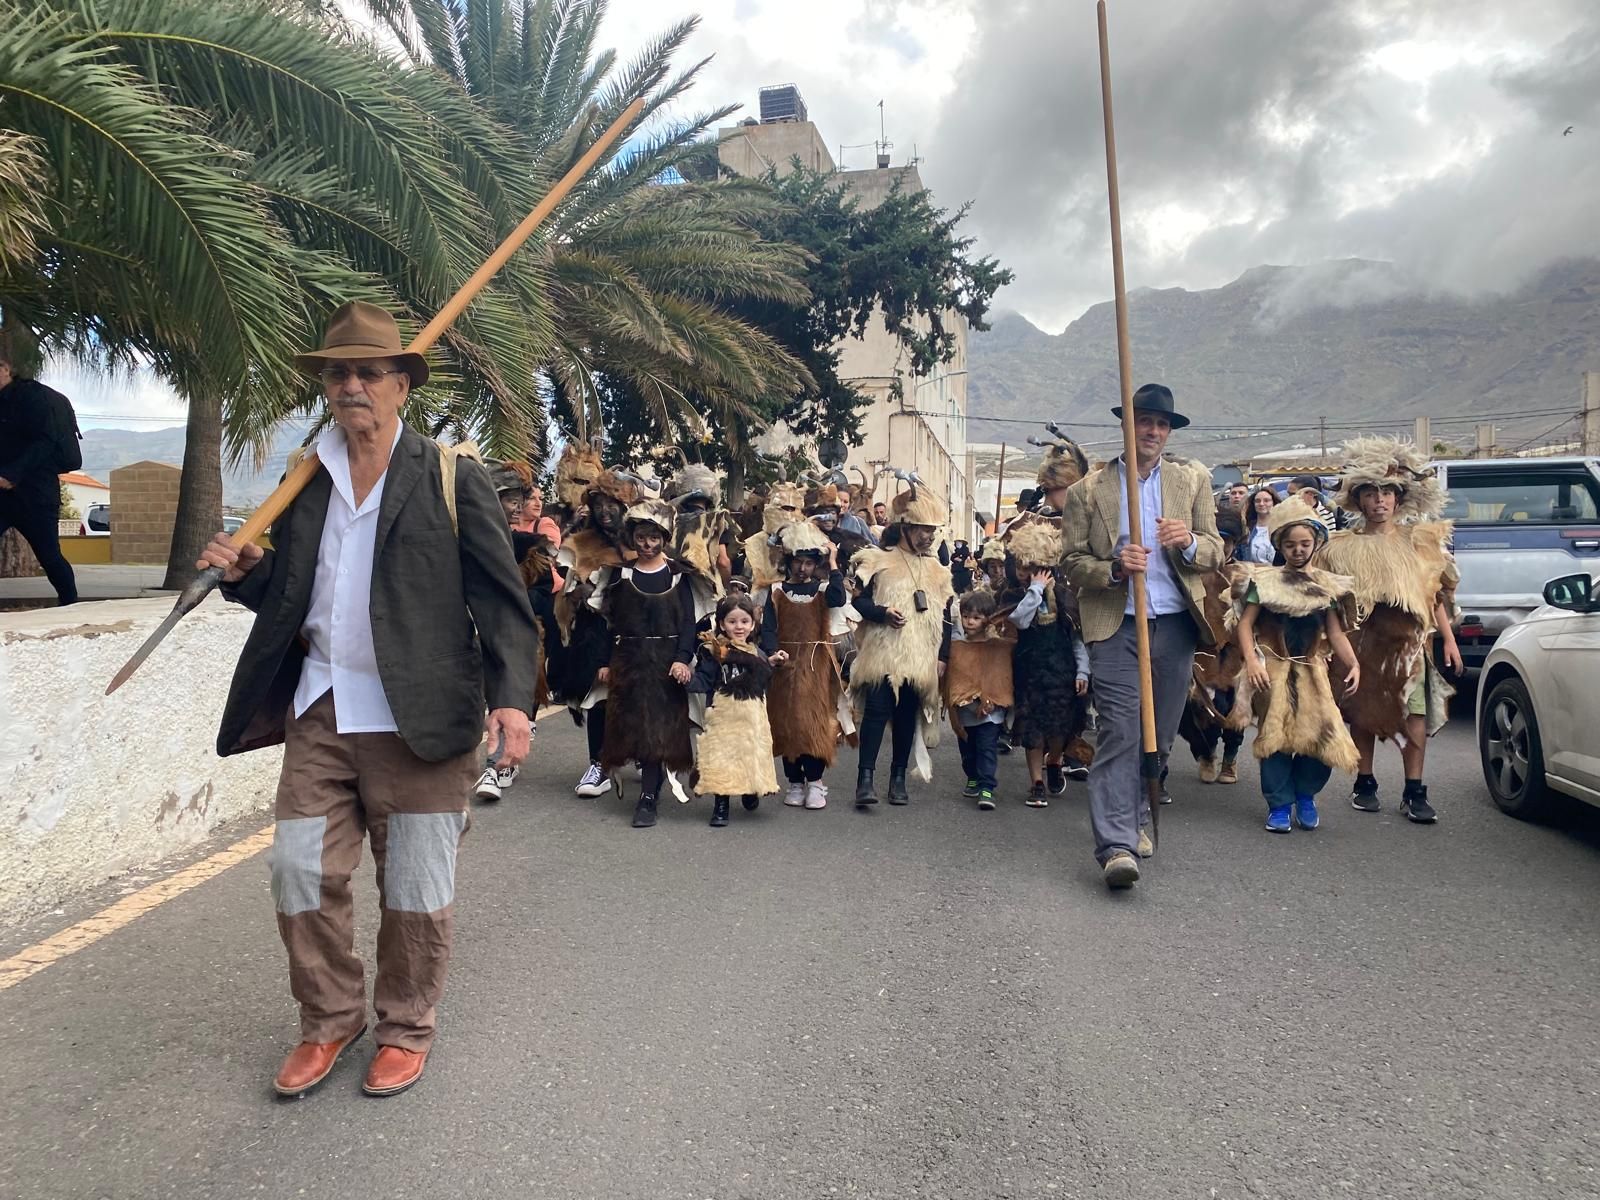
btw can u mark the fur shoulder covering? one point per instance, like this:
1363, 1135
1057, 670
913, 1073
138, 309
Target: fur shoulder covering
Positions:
934, 574
742, 674
1291, 593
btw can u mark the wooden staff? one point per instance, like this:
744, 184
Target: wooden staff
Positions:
295, 481
1000, 488
1150, 761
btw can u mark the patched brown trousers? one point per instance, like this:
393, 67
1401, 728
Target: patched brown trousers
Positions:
335, 788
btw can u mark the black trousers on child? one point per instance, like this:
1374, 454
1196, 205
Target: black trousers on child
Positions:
594, 724
805, 769
898, 709
979, 754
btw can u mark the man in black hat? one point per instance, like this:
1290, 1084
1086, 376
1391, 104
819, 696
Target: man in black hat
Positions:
1180, 546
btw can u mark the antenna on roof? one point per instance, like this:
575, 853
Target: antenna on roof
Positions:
884, 145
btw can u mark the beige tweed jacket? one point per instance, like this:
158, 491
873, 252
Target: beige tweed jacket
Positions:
1090, 527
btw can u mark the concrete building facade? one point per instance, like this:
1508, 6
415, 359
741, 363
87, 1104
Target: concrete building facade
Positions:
924, 428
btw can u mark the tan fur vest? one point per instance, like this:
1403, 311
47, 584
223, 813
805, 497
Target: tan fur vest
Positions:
978, 672
909, 655
1297, 713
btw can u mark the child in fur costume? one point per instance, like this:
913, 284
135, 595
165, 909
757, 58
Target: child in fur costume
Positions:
650, 610
783, 507
978, 689
735, 748
799, 620
1216, 669
1396, 552
1052, 664
583, 645
1288, 618
903, 641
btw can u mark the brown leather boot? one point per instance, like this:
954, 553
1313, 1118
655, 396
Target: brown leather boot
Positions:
308, 1064
393, 1070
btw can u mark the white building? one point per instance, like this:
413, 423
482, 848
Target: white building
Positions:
925, 428
85, 490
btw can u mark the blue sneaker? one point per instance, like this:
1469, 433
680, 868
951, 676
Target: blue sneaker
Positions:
1305, 812
970, 792
1278, 819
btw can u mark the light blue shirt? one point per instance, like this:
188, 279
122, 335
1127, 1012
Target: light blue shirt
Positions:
1165, 593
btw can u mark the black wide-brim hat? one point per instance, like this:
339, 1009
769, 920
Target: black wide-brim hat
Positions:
1155, 398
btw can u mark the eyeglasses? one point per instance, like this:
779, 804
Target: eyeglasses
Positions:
339, 376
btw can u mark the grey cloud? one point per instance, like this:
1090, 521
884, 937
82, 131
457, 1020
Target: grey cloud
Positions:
1199, 85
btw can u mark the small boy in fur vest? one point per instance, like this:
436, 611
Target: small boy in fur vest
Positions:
978, 690
1289, 619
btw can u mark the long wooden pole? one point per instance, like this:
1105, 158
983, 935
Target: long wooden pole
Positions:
1000, 488
295, 481
1150, 763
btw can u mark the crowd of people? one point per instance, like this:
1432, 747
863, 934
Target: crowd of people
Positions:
411, 588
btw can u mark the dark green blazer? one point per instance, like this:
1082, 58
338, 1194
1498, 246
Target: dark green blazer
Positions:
450, 617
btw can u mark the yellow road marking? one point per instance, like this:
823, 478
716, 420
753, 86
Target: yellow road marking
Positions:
87, 932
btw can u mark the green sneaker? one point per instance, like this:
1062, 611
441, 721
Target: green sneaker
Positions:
970, 792
986, 800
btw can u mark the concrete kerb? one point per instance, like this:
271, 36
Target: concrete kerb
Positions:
99, 785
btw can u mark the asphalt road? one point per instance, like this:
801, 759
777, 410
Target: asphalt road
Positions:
928, 1001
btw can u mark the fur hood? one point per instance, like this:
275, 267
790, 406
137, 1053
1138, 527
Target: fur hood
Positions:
1380, 461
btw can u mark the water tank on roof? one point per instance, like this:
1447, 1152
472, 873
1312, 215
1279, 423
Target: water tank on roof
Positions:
782, 103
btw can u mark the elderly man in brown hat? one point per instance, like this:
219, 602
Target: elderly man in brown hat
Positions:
389, 608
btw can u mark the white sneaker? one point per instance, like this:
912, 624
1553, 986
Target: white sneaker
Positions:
817, 795
488, 786
795, 797
594, 782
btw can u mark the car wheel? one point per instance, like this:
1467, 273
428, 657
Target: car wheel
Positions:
1512, 756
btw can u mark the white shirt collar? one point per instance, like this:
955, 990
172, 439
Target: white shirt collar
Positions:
333, 449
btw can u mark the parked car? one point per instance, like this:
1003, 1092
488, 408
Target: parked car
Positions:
96, 521
1519, 522
232, 525
1538, 701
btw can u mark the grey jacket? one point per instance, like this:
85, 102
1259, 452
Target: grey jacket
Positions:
450, 617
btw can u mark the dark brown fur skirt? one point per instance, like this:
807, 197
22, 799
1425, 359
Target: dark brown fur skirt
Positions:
647, 713
1386, 647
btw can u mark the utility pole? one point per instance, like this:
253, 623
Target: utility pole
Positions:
1322, 430
1485, 442
1591, 412
1424, 436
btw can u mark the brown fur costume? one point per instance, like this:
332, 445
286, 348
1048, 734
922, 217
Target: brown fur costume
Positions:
1297, 713
1398, 579
647, 711
783, 507
805, 690
734, 754
978, 672
578, 468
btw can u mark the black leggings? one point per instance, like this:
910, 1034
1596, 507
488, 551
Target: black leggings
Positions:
36, 522
887, 707
594, 723
805, 769
651, 777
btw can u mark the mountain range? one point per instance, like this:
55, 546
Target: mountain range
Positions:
1352, 341
242, 487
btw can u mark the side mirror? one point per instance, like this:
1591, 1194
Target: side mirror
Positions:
1571, 592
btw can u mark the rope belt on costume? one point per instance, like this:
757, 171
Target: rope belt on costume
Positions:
783, 644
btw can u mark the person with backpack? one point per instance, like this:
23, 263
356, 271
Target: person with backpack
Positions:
38, 444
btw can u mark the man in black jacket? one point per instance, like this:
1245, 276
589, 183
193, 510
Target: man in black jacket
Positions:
386, 615
30, 490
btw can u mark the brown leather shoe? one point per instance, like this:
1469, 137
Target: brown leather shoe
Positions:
308, 1064
393, 1070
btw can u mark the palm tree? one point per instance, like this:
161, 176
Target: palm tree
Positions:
641, 265
221, 174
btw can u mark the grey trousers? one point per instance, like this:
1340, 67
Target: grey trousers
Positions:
1117, 803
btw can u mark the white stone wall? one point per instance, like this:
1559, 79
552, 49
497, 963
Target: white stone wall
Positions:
96, 785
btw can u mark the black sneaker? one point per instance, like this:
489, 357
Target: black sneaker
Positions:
1365, 796
1003, 744
1076, 771
1036, 797
1055, 780
1414, 806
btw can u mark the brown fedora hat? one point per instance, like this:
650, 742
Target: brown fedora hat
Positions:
361, 330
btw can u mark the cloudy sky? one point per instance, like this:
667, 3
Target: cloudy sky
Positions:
1428, 133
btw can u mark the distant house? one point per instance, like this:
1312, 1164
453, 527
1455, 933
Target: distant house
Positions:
86, 490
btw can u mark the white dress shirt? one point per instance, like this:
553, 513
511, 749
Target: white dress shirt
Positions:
338, 625
1162, 589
